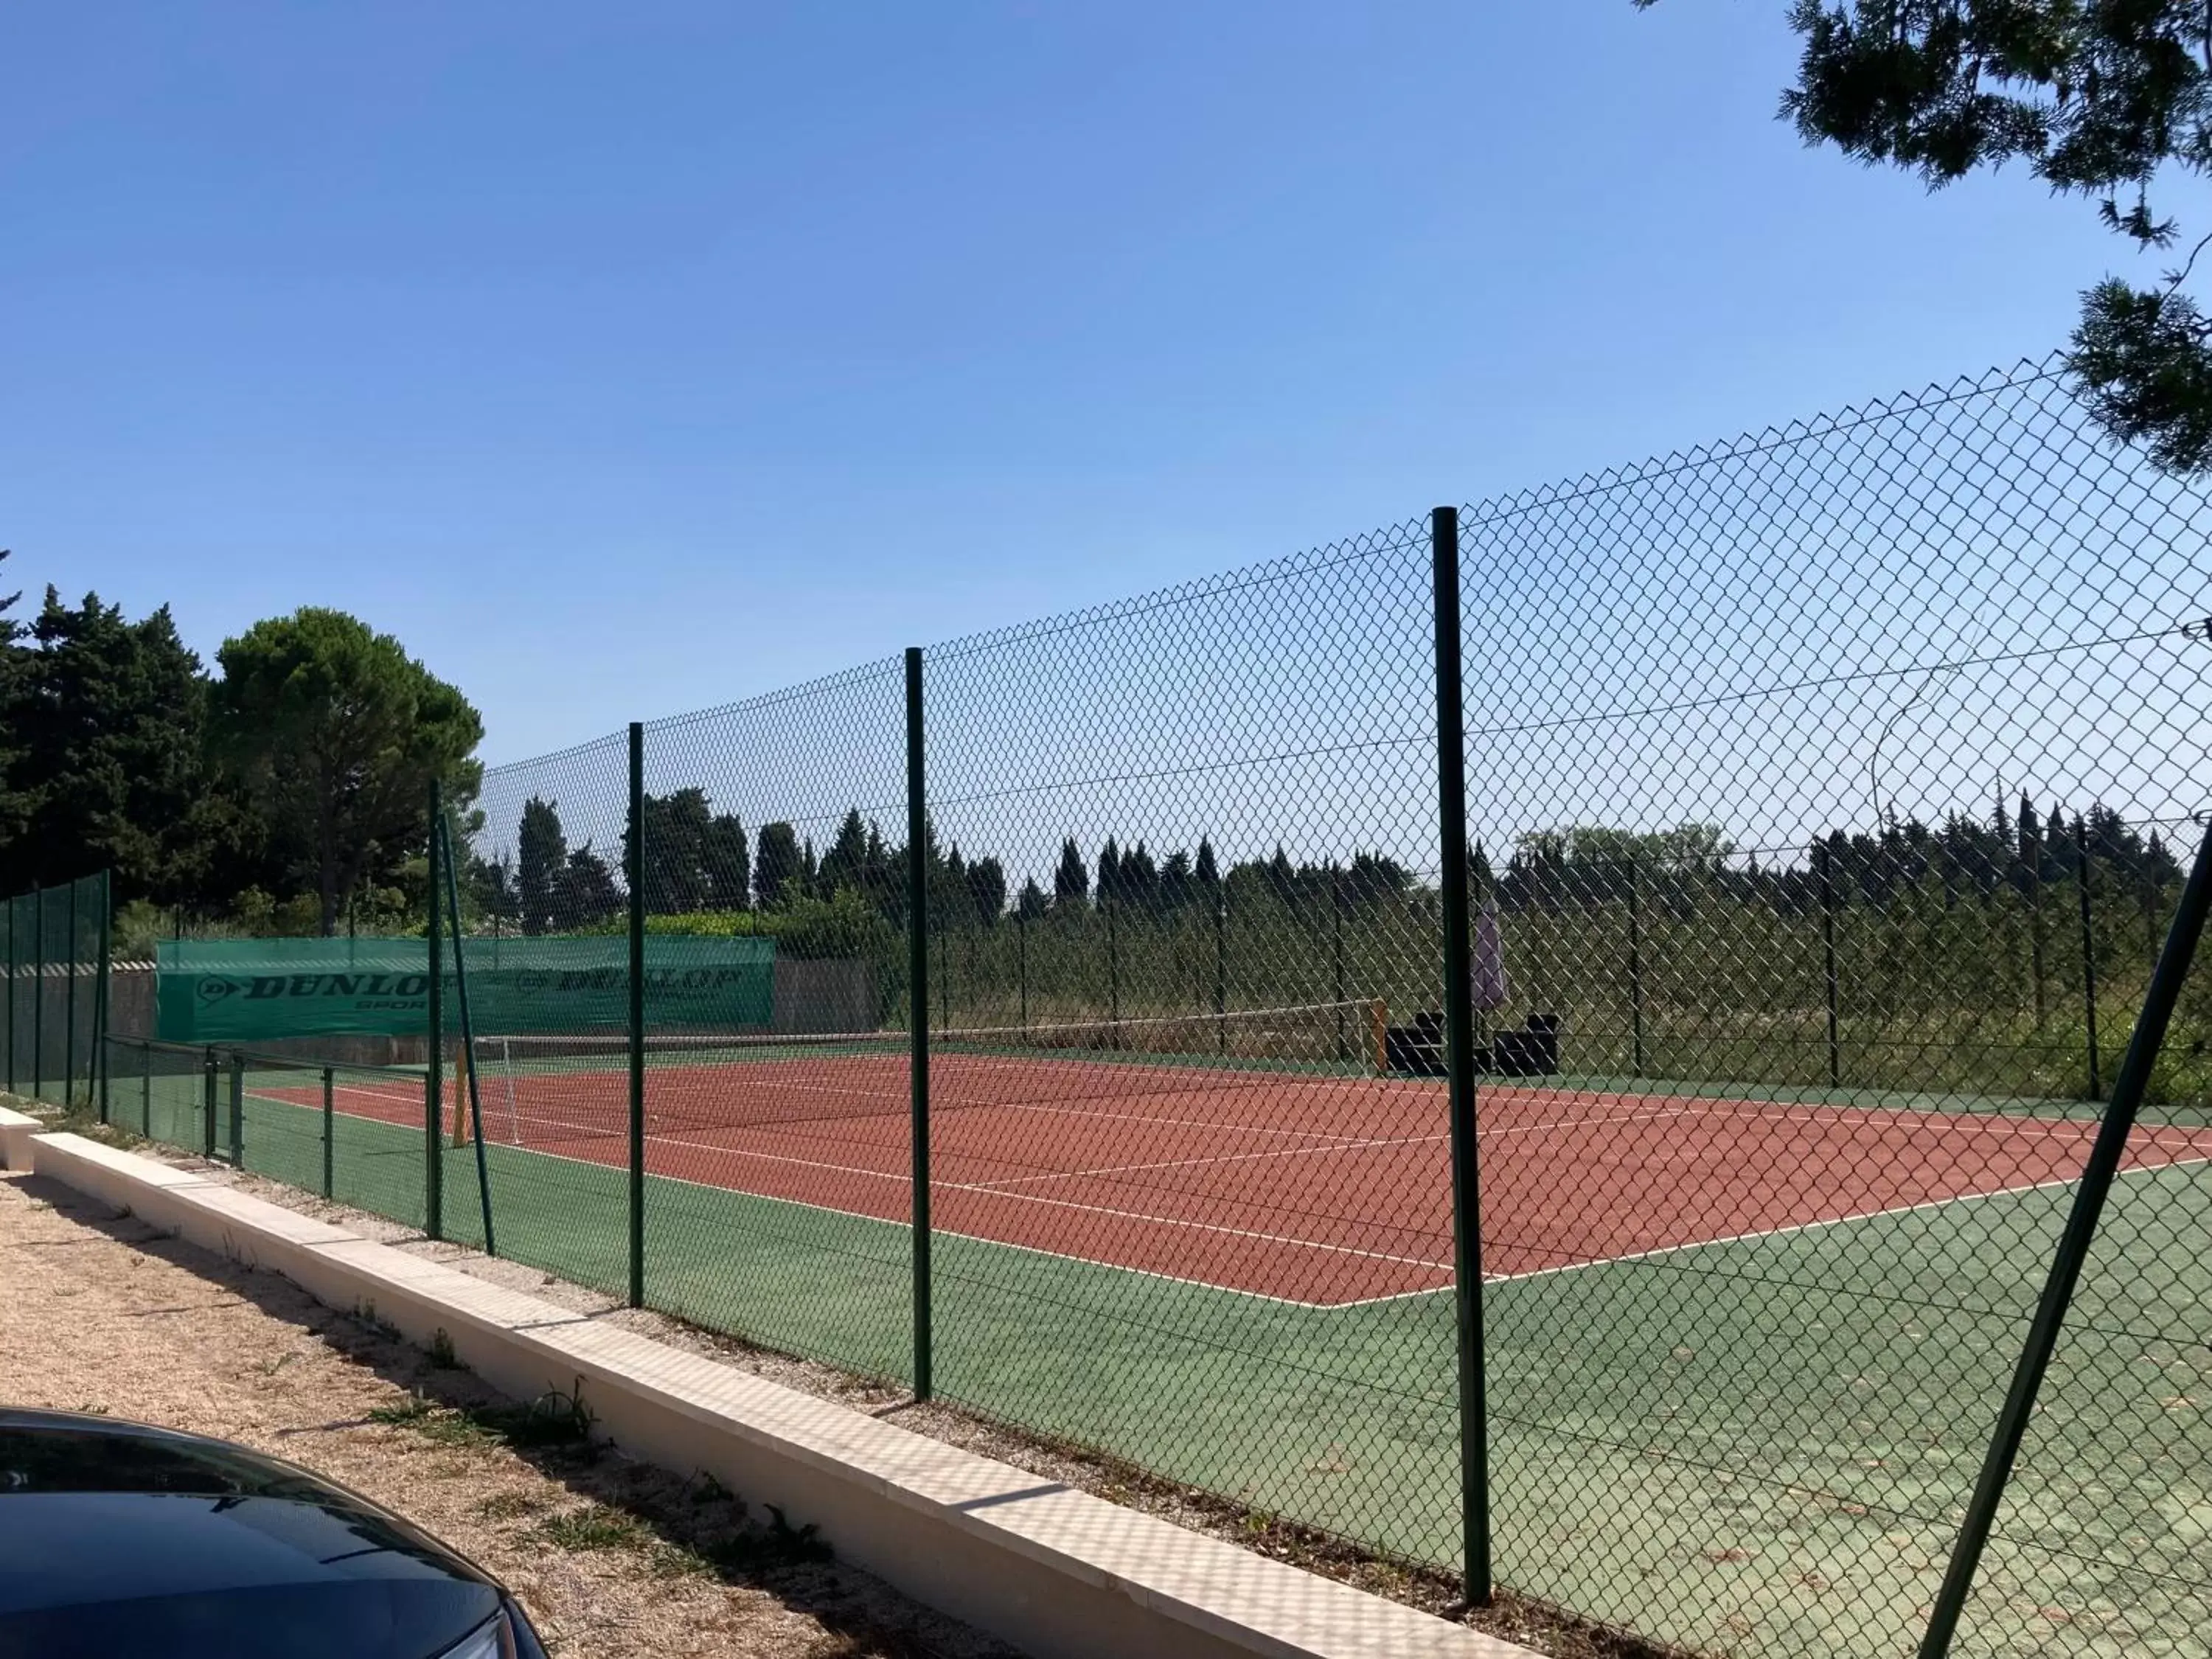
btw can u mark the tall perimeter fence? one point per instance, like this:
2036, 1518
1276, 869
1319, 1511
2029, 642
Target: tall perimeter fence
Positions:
1636, 1042
55, 941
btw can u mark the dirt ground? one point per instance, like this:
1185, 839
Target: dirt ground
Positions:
611, 1557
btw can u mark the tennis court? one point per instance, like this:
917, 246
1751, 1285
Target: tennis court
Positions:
1307, 1184
1751, 1342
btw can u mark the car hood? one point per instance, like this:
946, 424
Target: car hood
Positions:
116, 1538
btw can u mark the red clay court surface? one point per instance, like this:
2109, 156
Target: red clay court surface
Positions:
1323, 1191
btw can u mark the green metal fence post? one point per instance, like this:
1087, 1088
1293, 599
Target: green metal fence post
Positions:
1635, 965
146, 1093
99, 989
474, 1104
1113, 965
237, 1109
1221, 972
2106, 1154
330, 1132
207, 1100
2035, 931
1022, 959
1459, 1029
69, 1002
38, 993
917, 878
434, 1074
2088, 956
636, 1014
1828, 963
11, 996
1336, 953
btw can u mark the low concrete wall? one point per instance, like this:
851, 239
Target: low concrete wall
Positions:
1052, 1570
16, 1129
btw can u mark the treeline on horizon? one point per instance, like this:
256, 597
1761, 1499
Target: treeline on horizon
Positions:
1955, 955
705, 864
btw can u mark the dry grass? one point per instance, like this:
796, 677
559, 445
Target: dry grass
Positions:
612, 1557
1545, 1629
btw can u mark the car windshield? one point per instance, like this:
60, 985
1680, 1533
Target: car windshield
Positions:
55, 1460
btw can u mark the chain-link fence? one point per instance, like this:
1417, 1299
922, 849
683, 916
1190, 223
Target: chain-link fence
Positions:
57, 959
1640, 1154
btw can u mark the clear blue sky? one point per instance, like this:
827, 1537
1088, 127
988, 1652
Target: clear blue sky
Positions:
623, 360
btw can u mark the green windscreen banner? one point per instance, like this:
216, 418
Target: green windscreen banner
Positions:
252, 990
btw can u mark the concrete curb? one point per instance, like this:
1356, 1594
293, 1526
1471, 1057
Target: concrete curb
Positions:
1050, 1569
16, 1129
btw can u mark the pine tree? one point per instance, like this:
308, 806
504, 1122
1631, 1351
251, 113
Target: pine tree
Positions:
105, 718
677, 829
726, 857
987, 890
1207, 872
1136, 882
779, 868
2103, 102
587, 892
1178, 885
1071, 882
844, 865
541, 856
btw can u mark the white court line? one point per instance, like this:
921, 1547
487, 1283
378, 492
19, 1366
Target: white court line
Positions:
719, 1189
1301, 1152
1777, 1232
1690, 1105
1066, 1203
897, 1106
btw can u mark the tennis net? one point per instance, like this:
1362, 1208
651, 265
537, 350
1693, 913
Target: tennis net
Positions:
533, 1087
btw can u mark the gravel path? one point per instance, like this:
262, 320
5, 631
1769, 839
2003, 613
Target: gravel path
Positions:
611, 1558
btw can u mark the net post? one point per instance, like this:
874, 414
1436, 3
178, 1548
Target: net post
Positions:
1828, 963
433, 1074
330, 1132
1022, 958
1378, 1021
100, 1011
2088, 956
2106, 1154
636, 1013
1459, 1027
917, 877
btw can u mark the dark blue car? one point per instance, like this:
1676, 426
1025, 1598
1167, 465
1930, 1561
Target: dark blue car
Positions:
118, 1538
